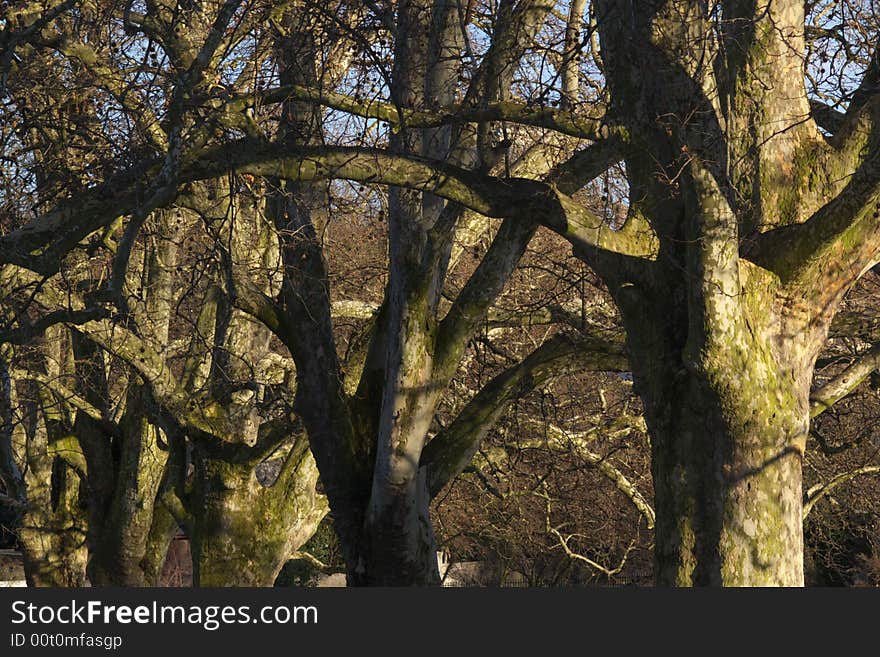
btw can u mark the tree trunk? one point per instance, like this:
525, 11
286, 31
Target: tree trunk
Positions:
728, 428
722, 341
727, 486
244, 532
52, 532
234, 543
162, 532
399, 547
54, 524
121, 526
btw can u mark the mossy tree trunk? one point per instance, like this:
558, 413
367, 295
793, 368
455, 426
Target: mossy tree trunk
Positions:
728, 430
55, 520
244, 531
758, 238
728, 486
121, 549
53, 527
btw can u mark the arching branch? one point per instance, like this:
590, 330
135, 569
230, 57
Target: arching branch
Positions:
452, 450
39, 245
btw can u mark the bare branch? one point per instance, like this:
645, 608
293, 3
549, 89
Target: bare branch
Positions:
452, 450
846, 382
563, 121
311, 559
817, 492
558, 438
575, 556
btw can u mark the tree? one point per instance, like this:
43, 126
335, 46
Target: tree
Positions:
751, 208
118, 399
772, 223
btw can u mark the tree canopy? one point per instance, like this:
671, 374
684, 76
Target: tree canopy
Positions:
256, 258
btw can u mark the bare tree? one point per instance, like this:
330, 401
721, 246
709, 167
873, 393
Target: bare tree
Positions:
750, 209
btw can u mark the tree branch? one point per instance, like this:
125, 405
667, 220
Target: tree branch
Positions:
841, 236
517, 198
826, 117
817, 492
562, 121
557, 438
312, 560
61, 391
482, 288
452, 450
845, 382
39, 245
575, 556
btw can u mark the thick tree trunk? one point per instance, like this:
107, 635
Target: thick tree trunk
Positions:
722, 347
162, 532
728, 428
54, 523
399, 547
52, 532
727, 487
126, 467
233, 543
121, 525
244, 532
46, 564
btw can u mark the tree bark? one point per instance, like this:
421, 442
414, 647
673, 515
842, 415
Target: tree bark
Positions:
120, 544
723, 341
244, 532
55, 521
728, 487
52, 532
728, 429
